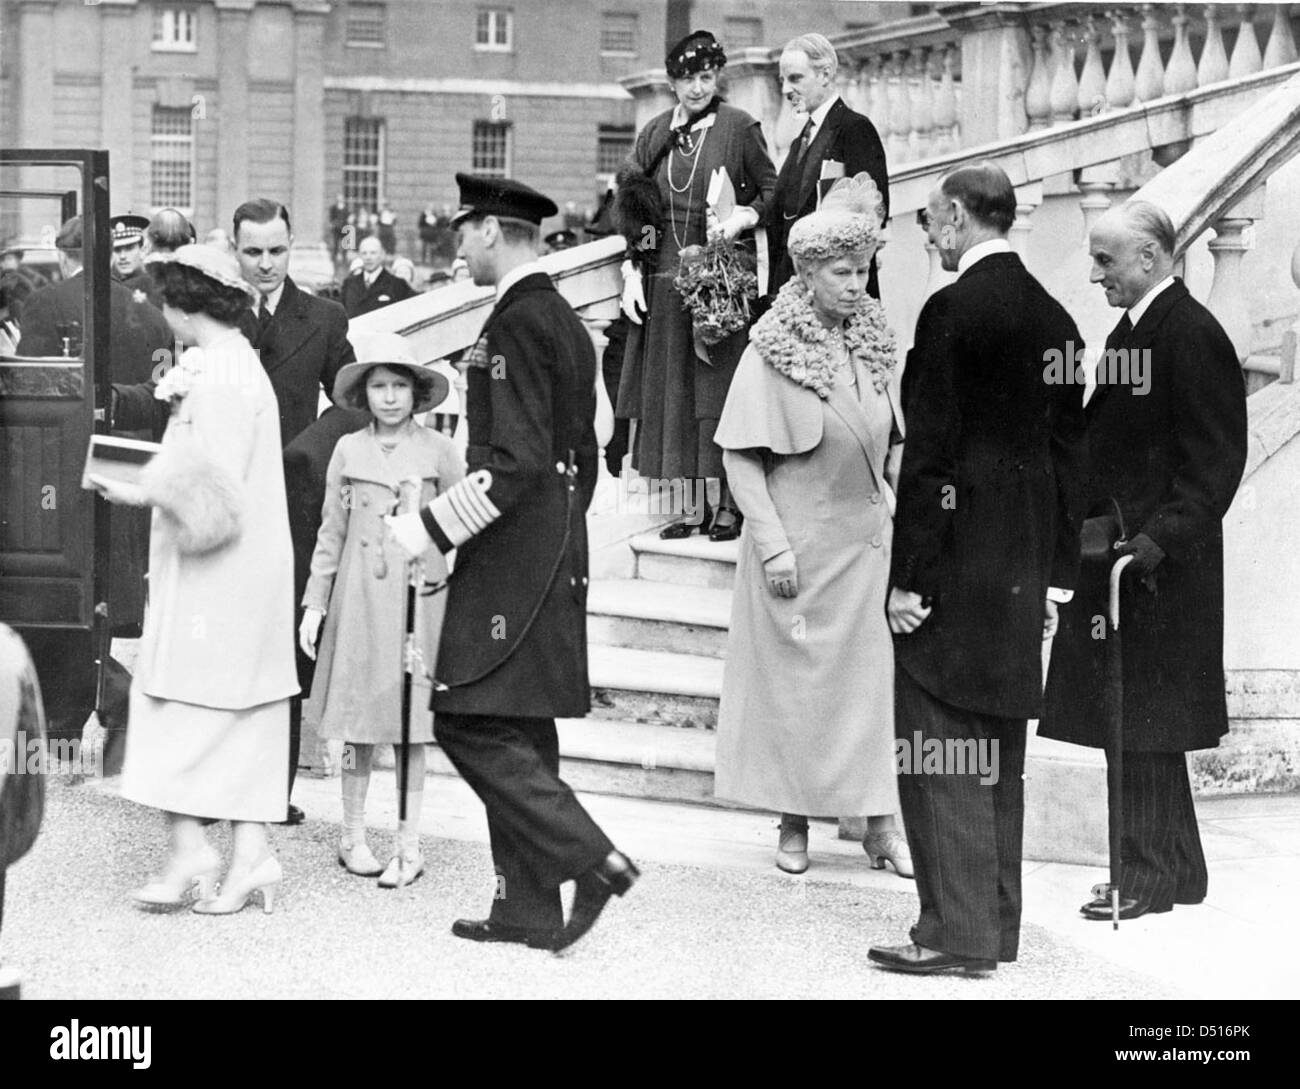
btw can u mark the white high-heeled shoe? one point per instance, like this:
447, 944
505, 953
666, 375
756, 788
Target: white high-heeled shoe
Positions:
263, 878
194, 871
890, 846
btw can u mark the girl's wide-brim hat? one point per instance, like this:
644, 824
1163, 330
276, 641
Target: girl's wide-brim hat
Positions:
211, 262
381, 349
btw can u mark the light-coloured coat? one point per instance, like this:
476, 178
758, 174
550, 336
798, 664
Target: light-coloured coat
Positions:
359, 579
218, 628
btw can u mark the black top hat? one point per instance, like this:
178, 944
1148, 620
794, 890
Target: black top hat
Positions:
694, 53
128, 230
501, 197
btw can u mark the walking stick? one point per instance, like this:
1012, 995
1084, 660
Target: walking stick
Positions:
408, 501
1115, 738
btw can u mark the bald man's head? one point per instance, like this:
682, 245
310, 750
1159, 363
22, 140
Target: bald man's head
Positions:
1132, 249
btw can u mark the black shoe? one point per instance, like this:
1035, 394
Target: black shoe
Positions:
729, 530
592, 891
1099, 909
484, 930
918, 960
294, 816
676, 532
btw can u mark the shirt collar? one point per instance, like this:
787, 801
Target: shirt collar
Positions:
1140, 307
679, 119
516, 274
818, 116
981, 250
272, 300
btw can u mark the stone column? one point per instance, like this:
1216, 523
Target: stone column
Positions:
116, 127
309, 196
994, 71
232, 113
1227, 300
35, 112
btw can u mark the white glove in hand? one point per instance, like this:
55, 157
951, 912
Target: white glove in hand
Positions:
409, 532
739, 221
633, 293
308, 630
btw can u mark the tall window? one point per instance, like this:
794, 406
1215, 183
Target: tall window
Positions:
171, 159
175, 29
491, 151
495, 30
741, 32
618, 32
613, 145
365, 26
363, 159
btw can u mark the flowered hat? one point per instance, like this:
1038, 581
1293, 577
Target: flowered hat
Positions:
848, 221
698, 51
217, 265
380, 349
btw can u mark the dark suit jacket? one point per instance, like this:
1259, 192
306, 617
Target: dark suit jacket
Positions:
305, 346
990, 491
531, 399
139, 342
387, 288
1173, 457
846, 137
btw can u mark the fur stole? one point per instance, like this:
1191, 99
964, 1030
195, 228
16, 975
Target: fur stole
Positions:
638, 213
198, 498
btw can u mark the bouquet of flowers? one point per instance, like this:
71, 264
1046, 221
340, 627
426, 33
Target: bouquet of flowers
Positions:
717, 287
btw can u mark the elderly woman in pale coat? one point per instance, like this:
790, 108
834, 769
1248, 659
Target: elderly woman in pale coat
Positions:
806, 723
209, 736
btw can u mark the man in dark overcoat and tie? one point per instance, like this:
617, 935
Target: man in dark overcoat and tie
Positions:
513, 655
1167, 435
835, 142
985, 546
372, 286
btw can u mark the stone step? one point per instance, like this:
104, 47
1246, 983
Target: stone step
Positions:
656, 687
1263, 693
693, 561
658, 616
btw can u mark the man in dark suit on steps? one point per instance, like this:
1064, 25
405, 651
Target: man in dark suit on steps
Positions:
836, 142
1167, 432
303, 343
985, 546
372, 286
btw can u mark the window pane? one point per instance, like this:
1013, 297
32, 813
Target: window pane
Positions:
613, 145
491, 150
171, 154
618, 33
492, 28
363, 139
365, 24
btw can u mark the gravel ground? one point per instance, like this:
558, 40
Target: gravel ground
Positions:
683, 932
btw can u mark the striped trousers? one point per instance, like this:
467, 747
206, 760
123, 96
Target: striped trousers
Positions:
1162, 860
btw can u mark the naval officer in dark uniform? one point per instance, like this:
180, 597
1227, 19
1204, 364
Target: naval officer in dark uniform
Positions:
513, 655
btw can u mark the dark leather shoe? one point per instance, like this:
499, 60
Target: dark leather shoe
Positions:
592, 891
729, 530
918, 960
294, 816
1129, 908
484, 930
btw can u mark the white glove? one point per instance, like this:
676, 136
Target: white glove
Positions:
739, 221
409, 533
308, 630
633, 293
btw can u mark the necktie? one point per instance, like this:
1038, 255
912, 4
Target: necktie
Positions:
805, 138
263, 320
1124, 327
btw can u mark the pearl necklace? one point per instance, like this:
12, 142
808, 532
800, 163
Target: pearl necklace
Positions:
694, 156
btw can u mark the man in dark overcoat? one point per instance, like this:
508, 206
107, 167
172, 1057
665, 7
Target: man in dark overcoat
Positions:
513, 655
372, 286
985, 545
1167, 434
835, 142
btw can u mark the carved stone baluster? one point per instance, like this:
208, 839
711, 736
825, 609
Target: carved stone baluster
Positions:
862, 79
877, 102
1245, 53
1281, 45
945, 106
1120, 84
1096, 183
1092, 80
936, 278
1227, 300
1065, 84
1149, 83
1214, 58
847, 89
1028, 198
923, 106
1038, 95
900, 114
1180, 75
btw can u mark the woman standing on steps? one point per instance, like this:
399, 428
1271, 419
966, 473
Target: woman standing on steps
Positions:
675, 395
806, 722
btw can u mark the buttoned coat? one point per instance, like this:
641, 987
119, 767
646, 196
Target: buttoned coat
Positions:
1172, 456
845, 137
302, 351
387, 289
514, 640
990, 489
